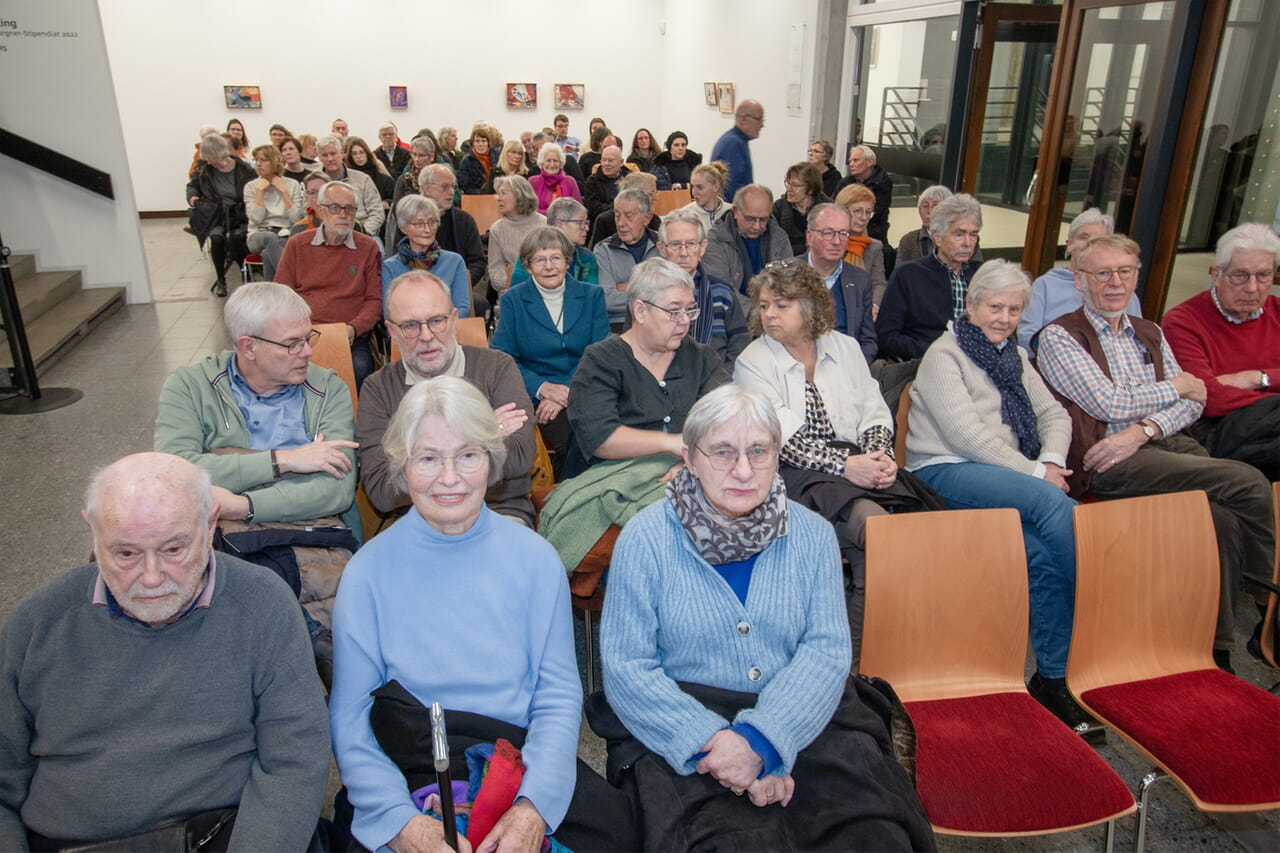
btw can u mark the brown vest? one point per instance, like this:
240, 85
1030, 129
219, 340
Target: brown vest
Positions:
1086, 431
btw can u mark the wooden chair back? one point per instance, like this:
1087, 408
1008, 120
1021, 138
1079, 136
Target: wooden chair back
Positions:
1269, 637
946, 607
483, 209
331, 350
471, 332
900, 425
669, 200
1146, 590
542, 474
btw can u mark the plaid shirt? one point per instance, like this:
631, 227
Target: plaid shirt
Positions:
1132, 394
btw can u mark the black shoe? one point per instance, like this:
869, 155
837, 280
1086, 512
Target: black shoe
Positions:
1222, 658
219, 286
1052, 693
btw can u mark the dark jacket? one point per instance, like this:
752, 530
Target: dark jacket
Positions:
670, 172
917, 307
210, 211
881, 185
395, 163
831, 180
727, 257
472, 178
459, 233
793, 223
599, 191
853, 307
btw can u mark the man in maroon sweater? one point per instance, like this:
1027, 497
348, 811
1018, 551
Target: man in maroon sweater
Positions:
338, 271
1229, 336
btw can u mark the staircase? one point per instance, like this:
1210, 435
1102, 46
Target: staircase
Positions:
56, 311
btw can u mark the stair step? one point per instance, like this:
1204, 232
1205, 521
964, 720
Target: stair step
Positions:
20, 265
57, 328
38, 292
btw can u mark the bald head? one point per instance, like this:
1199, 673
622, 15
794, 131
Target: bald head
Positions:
749, 117
611, 161
160, 475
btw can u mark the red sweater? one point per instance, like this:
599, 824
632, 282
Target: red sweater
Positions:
1207, 346
341, 285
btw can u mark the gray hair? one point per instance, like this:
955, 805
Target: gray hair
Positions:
549, 148
811, 221
409, 278
563, 209
688, 217
951, 210
388, 124
462, 407
252, 306
1249, 237
650, 278
423, 145
214, 147
544, 237
415, 205
429, 173
998, 276
640, 197
868, 154
638, 181
443, 133
740, 196
173, 471
526, 199
322, 197
730, 404
1092, 216
327, 140
937, 192
208, 130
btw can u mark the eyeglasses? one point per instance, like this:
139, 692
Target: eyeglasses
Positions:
793, 185
862, 212
466, 461
348, 209
423, 223
1104, 276
831, 234
294, 347
753, 118
413, 328
581, 223
1240, 277
683, 245
759, 456
690, 314
546, 260
755, 220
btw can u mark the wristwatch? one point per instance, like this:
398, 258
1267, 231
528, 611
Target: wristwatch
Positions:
1265, 382
1148, 429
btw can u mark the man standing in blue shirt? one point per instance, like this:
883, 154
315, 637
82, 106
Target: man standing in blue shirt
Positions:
731, 148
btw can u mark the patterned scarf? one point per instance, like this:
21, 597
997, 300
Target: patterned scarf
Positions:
1004, 366
720, 538
417, 260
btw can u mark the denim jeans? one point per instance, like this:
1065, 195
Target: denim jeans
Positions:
1048, 535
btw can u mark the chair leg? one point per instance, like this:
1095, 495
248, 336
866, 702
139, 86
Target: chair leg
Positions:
589, 643
1144, 793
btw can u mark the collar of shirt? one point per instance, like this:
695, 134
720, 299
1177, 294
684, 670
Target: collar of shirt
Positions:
832, 280
273, 421
102, 596
1253, 315
319, 239
457, 366
1102, 325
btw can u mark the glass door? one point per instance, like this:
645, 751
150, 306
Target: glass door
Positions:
1008, 96
1099, 121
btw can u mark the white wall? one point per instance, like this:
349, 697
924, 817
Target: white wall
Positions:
170, 61
57, 92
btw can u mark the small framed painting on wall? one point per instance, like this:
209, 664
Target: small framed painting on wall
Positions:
242, 97
399, 97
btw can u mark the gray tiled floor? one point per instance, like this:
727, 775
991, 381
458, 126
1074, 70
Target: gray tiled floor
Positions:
120, 368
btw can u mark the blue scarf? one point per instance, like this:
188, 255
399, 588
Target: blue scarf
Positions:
417, 260
1004, 366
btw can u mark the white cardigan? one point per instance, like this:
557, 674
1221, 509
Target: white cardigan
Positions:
852, 398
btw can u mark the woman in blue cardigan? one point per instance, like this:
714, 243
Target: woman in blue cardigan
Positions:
726, 657
419, 218
545, 324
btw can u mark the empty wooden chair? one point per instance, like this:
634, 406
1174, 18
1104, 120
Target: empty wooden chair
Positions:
1141, 654
946, 624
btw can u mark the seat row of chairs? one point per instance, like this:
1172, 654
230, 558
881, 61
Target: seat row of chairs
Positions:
946, 624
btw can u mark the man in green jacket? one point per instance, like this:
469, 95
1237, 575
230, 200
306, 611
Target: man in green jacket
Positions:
273, 430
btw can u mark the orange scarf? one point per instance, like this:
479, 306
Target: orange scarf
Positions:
856, 247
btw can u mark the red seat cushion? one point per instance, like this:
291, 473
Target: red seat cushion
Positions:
1218, 734
1001, 763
